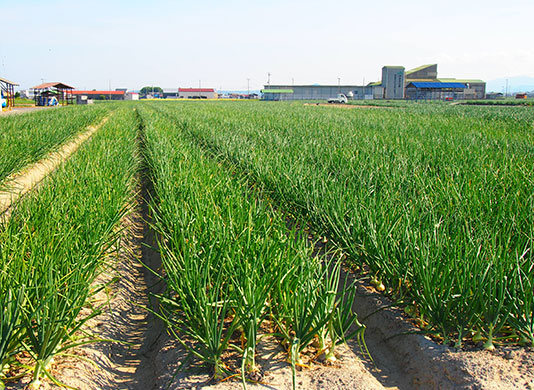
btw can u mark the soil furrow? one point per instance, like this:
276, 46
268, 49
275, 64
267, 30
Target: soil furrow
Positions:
24, 181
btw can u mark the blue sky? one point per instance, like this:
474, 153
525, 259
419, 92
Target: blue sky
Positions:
130, 44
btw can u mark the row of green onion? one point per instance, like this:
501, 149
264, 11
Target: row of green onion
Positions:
54, 245
232, 266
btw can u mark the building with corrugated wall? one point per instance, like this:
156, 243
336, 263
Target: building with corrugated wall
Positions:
428, 90
315, 92
419, 83
393, 82
197, 93
99, 95
472, 88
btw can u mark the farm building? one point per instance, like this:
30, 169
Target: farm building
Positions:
315, 92
170, 93
419, 83
131, 96
472, 88
494, 95
197, 93
99, 95
393, 82
53, 93
430, 90
7, 94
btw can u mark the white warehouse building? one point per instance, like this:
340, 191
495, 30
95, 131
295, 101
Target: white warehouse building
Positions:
197, 93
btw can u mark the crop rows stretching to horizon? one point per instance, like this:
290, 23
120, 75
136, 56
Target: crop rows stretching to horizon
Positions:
436, 201
53, 246
433, 204
24, 139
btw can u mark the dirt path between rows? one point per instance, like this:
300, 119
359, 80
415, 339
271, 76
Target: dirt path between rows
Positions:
25, 180
22, 110
414, 361
127, 359
129, 363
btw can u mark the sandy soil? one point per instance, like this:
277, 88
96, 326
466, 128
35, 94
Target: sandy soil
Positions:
405, 359
22, 110
348, 373
128, 363
22, 182
415, 361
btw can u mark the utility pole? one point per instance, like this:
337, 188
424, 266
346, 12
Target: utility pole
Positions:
292, 82
269, 79
109, 89
199, 87
506, 90
248, 88
339, 85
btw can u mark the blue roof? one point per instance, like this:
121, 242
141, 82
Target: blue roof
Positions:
434, 84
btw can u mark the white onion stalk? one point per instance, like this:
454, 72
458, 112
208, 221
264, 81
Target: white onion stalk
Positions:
488, 345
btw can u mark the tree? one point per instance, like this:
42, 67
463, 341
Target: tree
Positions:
147, 90
17, 95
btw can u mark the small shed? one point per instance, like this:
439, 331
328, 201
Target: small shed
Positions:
7, 90
44, 94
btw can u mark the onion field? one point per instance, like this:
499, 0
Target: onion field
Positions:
24, 139
232, 262
433, 205
436, 201
53, 246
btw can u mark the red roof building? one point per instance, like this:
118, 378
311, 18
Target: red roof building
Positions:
100, 95
98, 92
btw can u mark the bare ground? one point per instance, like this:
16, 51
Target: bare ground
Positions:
348, 373
23, 110
128, 363
414, 361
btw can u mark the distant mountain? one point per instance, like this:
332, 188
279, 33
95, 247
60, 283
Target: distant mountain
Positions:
515, 84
